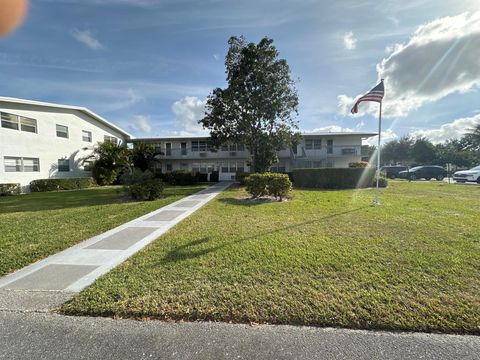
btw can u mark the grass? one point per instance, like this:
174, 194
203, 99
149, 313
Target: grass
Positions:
324, 258
36, 225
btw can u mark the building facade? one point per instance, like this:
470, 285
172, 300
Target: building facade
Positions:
42, 140
314, 150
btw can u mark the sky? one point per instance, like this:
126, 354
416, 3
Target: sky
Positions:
148, 65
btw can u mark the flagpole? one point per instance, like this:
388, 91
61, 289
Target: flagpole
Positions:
377, 202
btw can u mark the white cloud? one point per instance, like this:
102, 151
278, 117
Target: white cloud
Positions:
187, 112
216, 57
87, 39
349, 41
387, 136
453, 130
439, 59
142, 123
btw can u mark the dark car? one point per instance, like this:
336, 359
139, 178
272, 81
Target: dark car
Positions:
424, 172
391, 171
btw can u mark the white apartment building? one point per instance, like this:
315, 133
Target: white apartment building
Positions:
326, 149
41, 140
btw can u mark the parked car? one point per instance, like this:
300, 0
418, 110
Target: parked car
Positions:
424, 172
468, 175
391, 171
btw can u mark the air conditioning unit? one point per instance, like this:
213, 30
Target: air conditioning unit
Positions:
233, 153
203, 154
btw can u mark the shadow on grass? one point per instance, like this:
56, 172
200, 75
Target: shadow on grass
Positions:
244, 202
185, 252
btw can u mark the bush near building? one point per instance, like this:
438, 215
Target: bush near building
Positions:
43, 185
276, 185
142, 185
10, 189
358, 164
334, 178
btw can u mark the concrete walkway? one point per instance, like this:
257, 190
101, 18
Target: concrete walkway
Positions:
52, 336
77, 267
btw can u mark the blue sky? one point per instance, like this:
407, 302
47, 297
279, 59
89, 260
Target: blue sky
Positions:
148, 65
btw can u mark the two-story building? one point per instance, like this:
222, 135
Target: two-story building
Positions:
42, 140
327, 149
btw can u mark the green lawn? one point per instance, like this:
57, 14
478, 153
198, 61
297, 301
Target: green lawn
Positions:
36, 225
325, 258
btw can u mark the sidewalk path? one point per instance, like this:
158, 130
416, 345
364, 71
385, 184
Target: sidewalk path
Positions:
51, 336
77, 267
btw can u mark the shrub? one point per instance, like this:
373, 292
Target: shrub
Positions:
103, 175
277, 185
9, 189
333, 178
181, 177
214, 176
142, 185
240, 176
201, 177
43, 185
382, 182
358, 164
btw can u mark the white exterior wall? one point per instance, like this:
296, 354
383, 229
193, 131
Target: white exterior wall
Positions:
45, 145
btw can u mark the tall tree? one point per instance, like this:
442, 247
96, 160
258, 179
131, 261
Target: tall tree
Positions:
473, 138
259, 105
423, 151
143, 156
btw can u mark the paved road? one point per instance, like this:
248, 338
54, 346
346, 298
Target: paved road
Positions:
33, 335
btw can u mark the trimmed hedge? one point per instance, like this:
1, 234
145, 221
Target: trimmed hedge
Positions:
142, 185
180, 177
358, 164
273, 184
241, 176
10, 189
43, 185
334, 178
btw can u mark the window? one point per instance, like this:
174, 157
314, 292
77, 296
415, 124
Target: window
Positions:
15, 122
183, 146
62, 131
87, 165
224, 147
19, 164
224, 167
110, 139
329, 147
13, 164
168, 149
308, 144
31, 164
240, 147
169, 167
200, 146
317, 144
86, 136
9, 121
63, 165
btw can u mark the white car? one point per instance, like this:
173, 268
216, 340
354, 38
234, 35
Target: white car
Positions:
468, 175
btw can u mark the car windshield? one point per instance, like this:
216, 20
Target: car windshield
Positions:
476, 168
415, 168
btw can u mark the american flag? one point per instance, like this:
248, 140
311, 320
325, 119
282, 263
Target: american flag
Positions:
376, 94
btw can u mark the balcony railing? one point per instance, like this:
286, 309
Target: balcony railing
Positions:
319, 153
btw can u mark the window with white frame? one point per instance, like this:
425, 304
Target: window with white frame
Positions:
86, 136
317, 144
21, 164
62, 131
63, 165
16, 122
110, 139
200, 146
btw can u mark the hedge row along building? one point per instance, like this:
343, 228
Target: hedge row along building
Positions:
41, 140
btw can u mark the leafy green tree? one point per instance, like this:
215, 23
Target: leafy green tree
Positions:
259, 105
397, 151
142, 156
423, 151
472, 138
